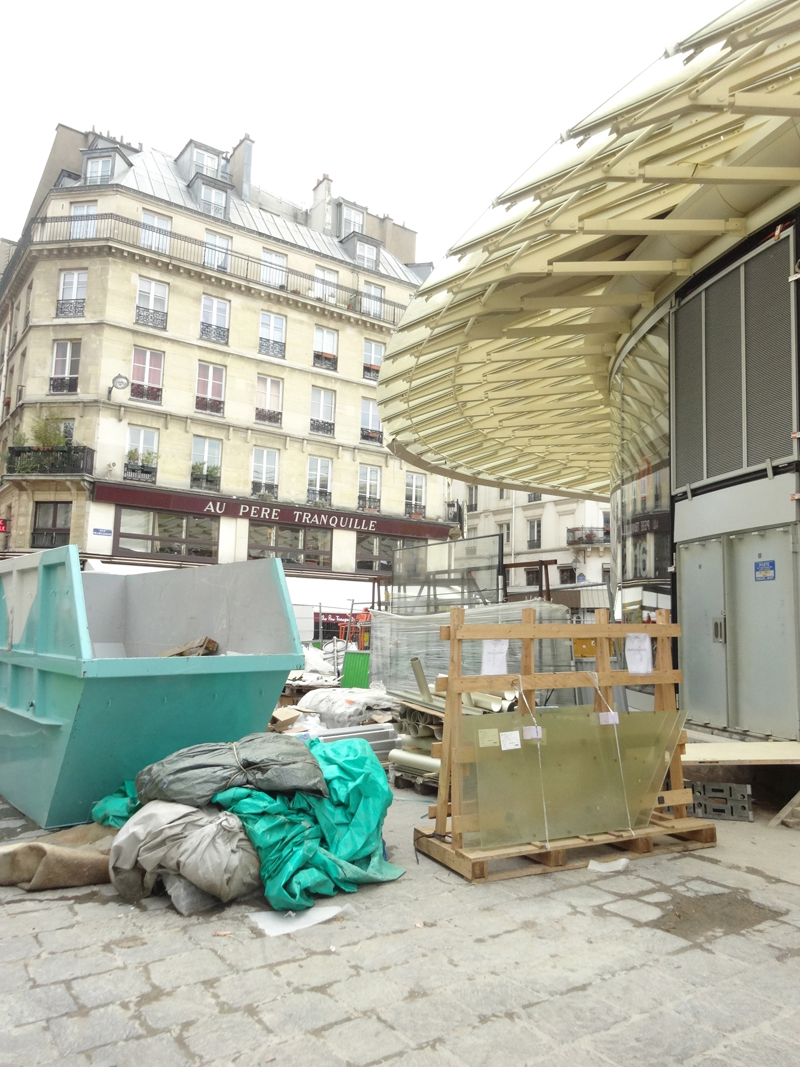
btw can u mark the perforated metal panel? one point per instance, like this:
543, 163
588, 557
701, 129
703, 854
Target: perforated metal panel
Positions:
768, 353
688, 399
723, 399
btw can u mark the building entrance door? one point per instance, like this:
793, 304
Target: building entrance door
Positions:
702, 647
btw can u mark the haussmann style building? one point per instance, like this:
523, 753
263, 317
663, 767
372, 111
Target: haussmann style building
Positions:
189, 366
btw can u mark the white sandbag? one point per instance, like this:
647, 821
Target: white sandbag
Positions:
316, 662
346, 707
207, 847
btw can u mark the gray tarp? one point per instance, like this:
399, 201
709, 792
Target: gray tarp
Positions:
272, 763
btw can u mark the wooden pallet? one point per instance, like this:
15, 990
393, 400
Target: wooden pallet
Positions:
666, 833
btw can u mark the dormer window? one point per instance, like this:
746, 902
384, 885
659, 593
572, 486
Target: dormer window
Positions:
212, 201
366, 255
206, 163
98, 171
352, 221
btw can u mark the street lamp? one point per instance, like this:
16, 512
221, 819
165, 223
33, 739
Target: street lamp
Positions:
119, 381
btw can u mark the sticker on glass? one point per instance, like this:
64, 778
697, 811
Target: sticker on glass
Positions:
488, 738
510, 739
609, 718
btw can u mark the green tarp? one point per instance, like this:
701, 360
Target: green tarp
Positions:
117, 807
314, 845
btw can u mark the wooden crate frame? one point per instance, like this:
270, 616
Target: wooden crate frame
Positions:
444, 841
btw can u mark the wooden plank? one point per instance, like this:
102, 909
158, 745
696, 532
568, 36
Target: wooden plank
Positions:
452, 713
743, 753
545, 631
475, 683
436, 750
665, 692
200, 646
670, 797
603, 692
777, 819
556, 857
636, 844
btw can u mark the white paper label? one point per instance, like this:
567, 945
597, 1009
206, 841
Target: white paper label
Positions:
510, 739
609, 718
488, 739
531, 733
493, 660
639, 653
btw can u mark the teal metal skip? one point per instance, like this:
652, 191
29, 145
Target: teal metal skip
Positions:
75, 724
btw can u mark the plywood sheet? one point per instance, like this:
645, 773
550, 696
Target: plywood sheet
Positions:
742, 752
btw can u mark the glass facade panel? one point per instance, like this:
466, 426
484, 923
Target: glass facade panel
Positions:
158, 533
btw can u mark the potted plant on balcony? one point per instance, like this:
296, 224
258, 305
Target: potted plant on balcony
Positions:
47, 434
149, 462
132, 457
212, 475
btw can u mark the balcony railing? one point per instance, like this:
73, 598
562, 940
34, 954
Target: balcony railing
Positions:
266, 347
64, 385
416, 511
318, 496
209, 332
589, 535
326, 360
70, 309
149, 317
205, 481
371, 372
472, 505
49, 538
374, 437
66, 229
265, 490
64, 459
534, 498
322, 427
268, 415
209, 404
369, 503
151, 393
208, 207
534, 542
138, 472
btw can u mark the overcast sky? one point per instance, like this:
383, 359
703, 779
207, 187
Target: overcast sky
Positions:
423, 110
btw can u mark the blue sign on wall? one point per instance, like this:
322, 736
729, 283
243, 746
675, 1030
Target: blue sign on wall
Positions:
102, 533
765, 570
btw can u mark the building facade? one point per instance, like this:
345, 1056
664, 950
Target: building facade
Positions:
189, 366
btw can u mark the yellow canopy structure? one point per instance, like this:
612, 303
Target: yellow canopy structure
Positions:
500, 372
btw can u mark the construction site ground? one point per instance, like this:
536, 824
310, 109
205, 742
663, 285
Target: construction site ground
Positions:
689, 959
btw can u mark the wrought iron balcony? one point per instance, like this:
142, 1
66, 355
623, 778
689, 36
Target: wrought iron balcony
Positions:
49, 538
375, 437
209, 332
326, 360
416, 511
268, 415
472, 505
64, 385
321, 427
266, 347
205, 481
150, 317
534, 498
209, 404
369, 503
63, 459
371, 372
70, 309
264, 490
151, 393
318, 496
534, 542
208, 207
589, 535
138, 472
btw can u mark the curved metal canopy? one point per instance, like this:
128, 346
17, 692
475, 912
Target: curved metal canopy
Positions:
499, 372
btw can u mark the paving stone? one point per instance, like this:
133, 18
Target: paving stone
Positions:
420, 1019
252, 987
728, 1007
705, 889
366, 992
640, 989
301, 1012
260, 951
18, 948
657, 898
425, 1057
67, 965
314, 971
659, 1036
185, 1005
570, 1017
306, 1051
780, 935
158, 1051
196, 966
33, 1005
635, 909
364, 1040
743, 948
114, 987
625, 884
427, 974
13, 977
27, 1046
493, 995
223, 1035
495, 1042
13, 924
83, 934
379, 952
486, 922
584, 896
99, 1027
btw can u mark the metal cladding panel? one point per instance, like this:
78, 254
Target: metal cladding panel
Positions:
768, 347
689, 393
723, 399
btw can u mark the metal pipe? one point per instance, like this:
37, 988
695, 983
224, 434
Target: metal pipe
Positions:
419, 674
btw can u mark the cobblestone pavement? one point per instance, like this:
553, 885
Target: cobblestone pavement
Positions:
682, 960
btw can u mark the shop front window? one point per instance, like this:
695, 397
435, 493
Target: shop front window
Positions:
375, 552
300, 546
51, 524
165, 533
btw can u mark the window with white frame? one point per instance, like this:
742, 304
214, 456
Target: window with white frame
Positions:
373, 300
326, 341
66, 366
273, 269
205, 163
366, 255
206, 458
371, 426
214, 319
374, 352
352, 221
415, 494
534, 533
142, 447
505, 532
472, 498
369, 485
210, 394
155, 232
323, 406
217, 252
73, 284
147, 375
84, 221
266, 463
319, 477
272, 335
269, 399
98, 171
152, 295
212, 201
325, 283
